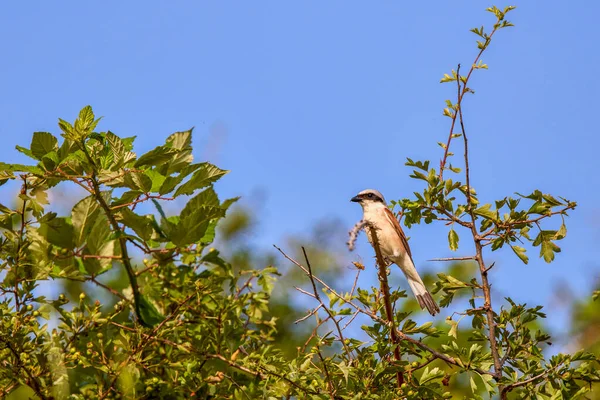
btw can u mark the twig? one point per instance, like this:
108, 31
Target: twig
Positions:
20, 243
309, 314
454, 258
102, 285
327, 310
504, 391
146, 198
327, 376
355, 282
490, 267
304, 292
460, 98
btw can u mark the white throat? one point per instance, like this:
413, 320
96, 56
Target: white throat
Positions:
372, 209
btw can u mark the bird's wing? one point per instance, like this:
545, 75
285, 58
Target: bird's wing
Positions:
394, 222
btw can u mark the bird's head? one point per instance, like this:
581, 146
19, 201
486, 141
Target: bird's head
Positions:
369, 197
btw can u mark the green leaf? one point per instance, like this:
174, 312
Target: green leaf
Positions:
562, 232
86, 115
127, 197
159, 208
172, 181
148, 313
158, 156
138, 181
486, 212
157, 179
50, 160
521, 253
66, 127
120, 154
43, 143
21, 168
180, 141
98, 243
486, 379
83, 217
25, 151
473, 384
547, 251
203, 177
141, 225
453, 240
58, 231
196, 216
453, 328
429, 375
85, 123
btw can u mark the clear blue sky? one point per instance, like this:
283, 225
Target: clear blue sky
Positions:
311, 102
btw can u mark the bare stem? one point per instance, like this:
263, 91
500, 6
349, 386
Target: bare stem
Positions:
477, 241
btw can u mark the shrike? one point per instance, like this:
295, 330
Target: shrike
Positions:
393, 243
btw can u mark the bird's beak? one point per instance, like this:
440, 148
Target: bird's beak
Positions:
356, 199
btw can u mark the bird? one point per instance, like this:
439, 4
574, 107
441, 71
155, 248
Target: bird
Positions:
393, 244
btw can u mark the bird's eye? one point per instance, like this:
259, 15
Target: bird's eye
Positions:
370, 195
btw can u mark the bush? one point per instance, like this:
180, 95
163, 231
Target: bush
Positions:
187, 324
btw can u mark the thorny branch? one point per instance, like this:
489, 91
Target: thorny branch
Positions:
387, 301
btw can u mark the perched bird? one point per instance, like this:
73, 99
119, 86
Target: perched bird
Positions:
393, 243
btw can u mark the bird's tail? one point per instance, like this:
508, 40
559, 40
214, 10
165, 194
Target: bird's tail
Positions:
423, 296
418, 287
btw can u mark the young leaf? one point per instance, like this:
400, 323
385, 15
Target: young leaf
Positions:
204, 176
485, 212
83, 216
43, 143
521, 253
453, 240
148, 313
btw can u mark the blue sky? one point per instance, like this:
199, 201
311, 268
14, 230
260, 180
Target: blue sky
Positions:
310, 102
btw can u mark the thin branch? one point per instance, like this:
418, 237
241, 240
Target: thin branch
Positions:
307, 316
146, 198
20, 242
327, 310
387, 302
330, 386
504, 391
461, 94
304, 292
355, 282
477, 239
454, 258
232, 364
102, 285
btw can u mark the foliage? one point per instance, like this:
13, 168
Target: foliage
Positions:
190, 324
